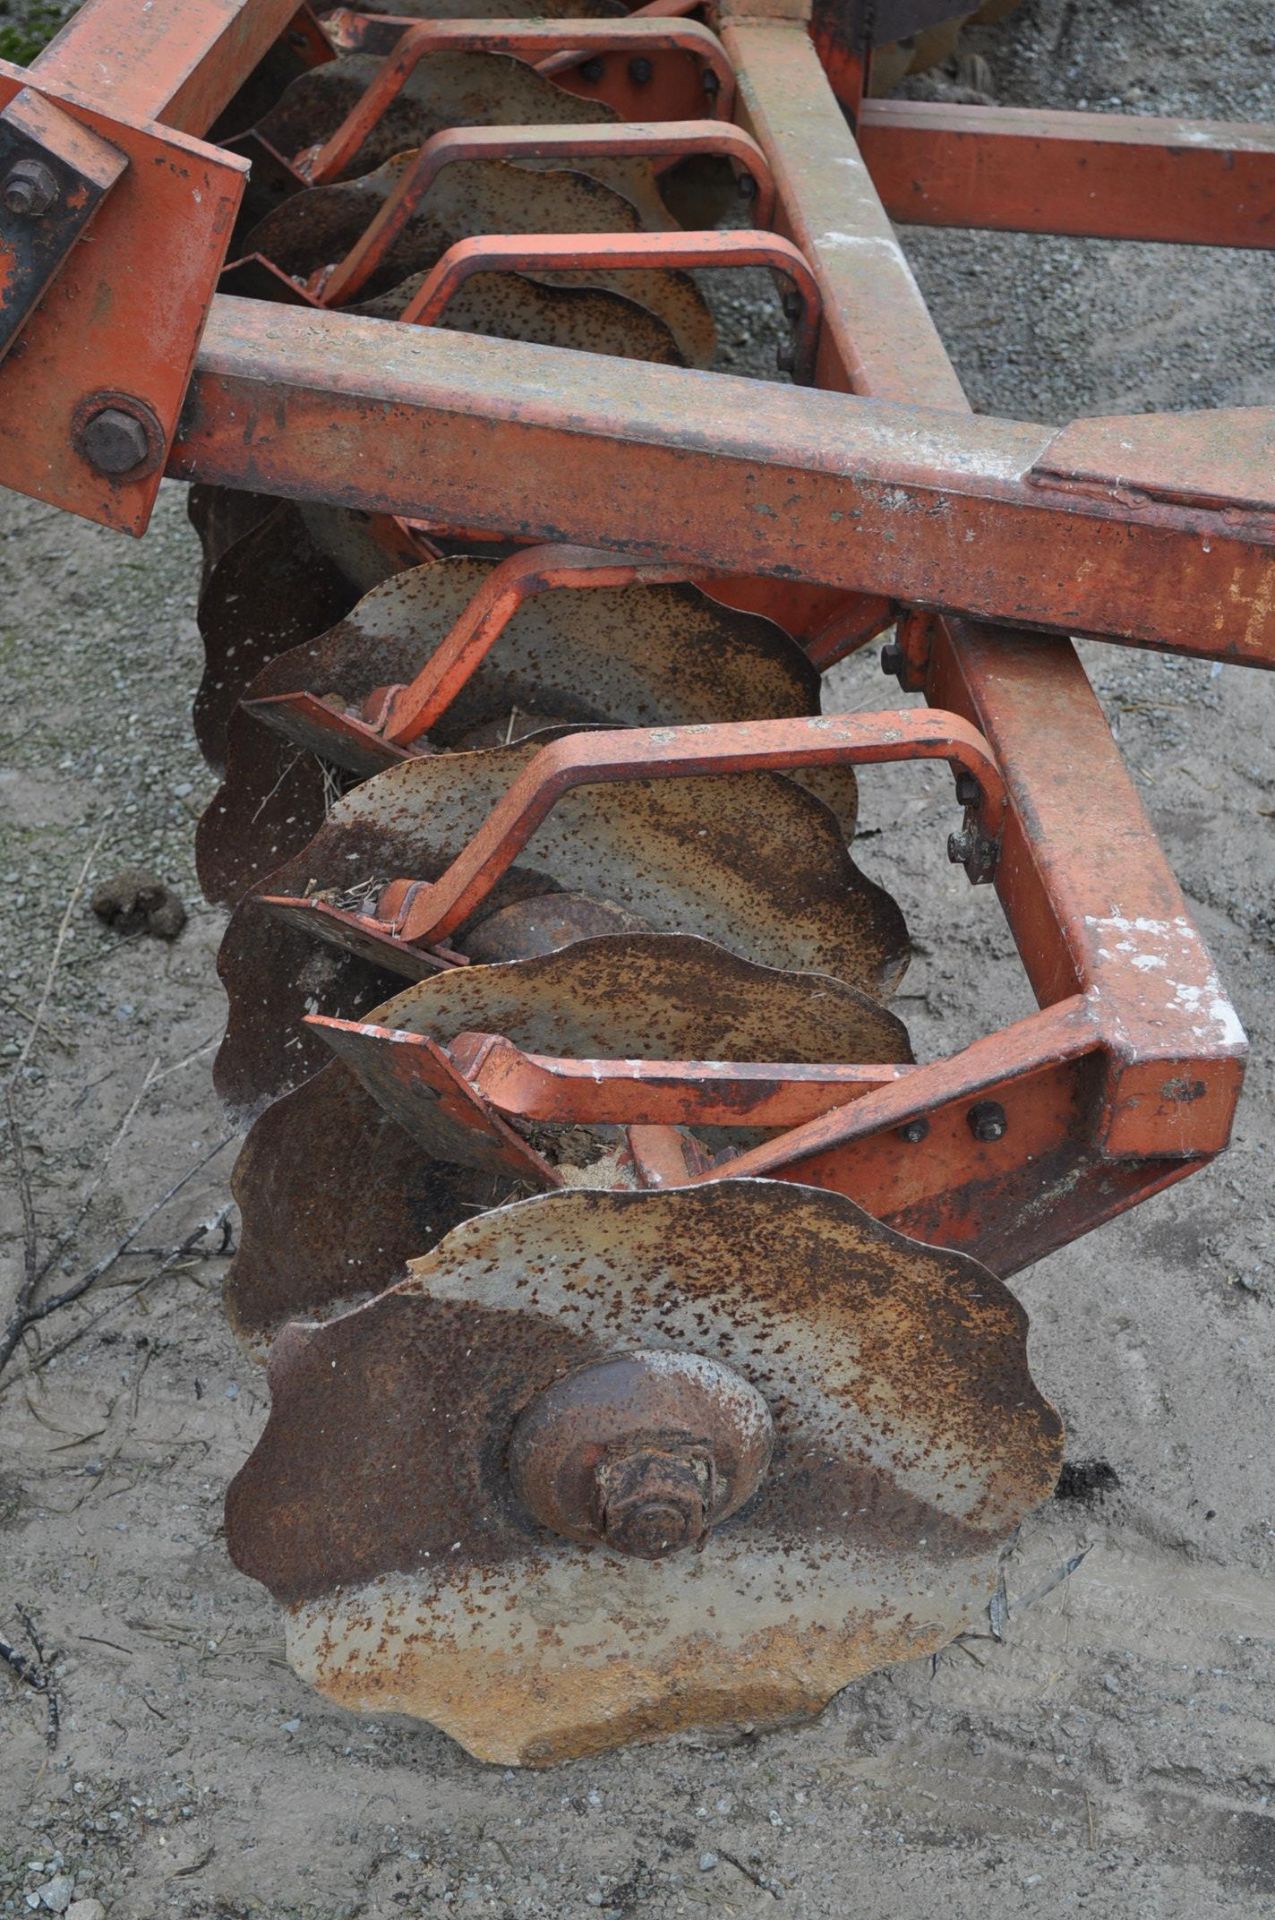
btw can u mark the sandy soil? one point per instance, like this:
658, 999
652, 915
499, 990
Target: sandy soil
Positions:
1113, 1754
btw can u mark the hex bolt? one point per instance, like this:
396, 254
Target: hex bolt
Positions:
968, 791
113, 441
892, 658
961, 847
30, 189
652, 1502
592, 70
914, 1131
987, 1120
640, 71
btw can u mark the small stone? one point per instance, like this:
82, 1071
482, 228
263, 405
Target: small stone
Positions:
1110, 1682
56, 1894
707, 1861
134, 901
86, 1910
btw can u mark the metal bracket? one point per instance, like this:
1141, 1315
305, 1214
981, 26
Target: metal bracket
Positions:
121, 317
54, 173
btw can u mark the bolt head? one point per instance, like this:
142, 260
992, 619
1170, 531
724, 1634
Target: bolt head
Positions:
113, 441
914, 1131
30, 189
987, 1120
892, 661
652, 1503
640, 71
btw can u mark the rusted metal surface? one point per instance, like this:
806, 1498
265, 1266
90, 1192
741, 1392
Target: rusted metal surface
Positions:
909, 1442
334, 1199
644, 1453
862, 496
431, 910
590, 253
633, 37
620, 998
510, 656
752, 861
175, 61
666, 140
1110, 176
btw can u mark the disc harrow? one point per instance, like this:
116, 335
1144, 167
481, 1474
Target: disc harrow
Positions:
639, 1344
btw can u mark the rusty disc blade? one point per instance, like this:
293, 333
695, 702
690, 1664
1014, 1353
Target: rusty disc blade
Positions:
288, 577
626, 996
909, 1442
446, 90
334, 1200
752, 861
319, 226
625, 656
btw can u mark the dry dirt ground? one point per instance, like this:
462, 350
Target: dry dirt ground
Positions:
1114, 1753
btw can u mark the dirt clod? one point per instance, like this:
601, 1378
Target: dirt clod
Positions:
134, 901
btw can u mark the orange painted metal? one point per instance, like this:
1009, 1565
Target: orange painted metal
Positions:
563, 253
524, 39
79, 167
173, 61
1108, 176
422, 913
408, 712
120, 324
917, 503
659, 139
533, 1086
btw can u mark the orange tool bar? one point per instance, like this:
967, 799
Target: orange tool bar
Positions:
175, 61
1105, 176
724, 475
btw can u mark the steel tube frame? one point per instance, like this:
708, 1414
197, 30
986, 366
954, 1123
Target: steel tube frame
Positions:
1128, 1076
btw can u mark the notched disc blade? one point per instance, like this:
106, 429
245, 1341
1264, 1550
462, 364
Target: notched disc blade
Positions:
910, 1442
334, 1200
627, 996
277, 584
752, 861
446, 90
319, 226
637, 656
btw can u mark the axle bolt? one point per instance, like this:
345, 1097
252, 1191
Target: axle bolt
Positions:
29, 189
654, 1502
113, 441
987, 1120
644, 1452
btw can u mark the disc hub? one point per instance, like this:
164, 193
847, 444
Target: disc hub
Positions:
643, 1452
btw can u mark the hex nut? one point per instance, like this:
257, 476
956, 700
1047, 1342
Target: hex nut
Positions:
30, 189
113, 441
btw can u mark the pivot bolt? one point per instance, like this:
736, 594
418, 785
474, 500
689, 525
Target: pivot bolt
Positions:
113, 441
961, 847
654, 1502
30, 189
987, 1120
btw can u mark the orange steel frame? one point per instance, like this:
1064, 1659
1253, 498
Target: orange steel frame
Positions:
872, 479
